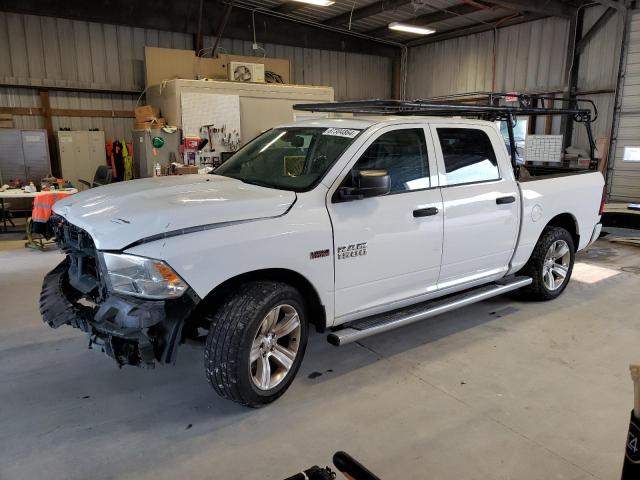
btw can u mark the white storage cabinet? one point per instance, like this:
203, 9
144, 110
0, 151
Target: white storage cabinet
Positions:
81, 152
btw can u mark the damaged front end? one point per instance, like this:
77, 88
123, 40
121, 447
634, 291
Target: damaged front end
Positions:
131, 330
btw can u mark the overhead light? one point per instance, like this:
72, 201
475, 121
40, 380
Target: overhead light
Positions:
405, 27
318, 3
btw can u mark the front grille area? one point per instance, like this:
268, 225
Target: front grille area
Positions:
84, 267
131, 330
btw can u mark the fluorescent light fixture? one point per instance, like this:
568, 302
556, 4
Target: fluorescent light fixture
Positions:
318, 3
404, 27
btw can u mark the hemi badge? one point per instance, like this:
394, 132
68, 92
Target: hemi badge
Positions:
319, 254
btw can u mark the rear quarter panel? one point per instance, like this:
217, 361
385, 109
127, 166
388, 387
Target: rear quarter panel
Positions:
545, 198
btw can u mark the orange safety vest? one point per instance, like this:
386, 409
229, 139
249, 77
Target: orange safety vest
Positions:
43, 203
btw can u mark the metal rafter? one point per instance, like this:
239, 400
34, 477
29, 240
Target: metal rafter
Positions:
552, 8
595, 28
429, 18
366, 11
612, 4
504, 21
271, 28
288, 7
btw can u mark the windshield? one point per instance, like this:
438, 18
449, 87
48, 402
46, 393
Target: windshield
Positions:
293, 158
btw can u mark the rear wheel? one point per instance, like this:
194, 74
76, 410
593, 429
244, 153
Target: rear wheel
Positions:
256, 343
550, 265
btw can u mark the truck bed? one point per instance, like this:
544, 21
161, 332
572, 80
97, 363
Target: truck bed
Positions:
575, 195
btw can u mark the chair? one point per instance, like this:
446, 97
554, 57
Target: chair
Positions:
36, 240
39, 231
5, 214
103, 176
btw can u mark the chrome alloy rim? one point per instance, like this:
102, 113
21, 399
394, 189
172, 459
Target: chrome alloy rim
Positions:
275, 347
556, 265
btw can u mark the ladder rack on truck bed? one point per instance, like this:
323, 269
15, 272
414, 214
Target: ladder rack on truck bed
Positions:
490, 106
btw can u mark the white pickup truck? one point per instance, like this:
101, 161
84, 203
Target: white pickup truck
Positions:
355, 226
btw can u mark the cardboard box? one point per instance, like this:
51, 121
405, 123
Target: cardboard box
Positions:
6, 116
146, 113
158, 123
185, 169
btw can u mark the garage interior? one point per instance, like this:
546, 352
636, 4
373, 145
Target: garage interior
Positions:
503, 388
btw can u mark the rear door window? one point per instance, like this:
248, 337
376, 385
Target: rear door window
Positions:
468, 155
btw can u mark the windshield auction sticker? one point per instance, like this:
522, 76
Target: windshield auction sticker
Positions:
341, 132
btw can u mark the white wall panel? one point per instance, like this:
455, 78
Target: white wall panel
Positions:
353, 76
599, 66
599, 60
66, 53
48, 51
44, 51
528, 57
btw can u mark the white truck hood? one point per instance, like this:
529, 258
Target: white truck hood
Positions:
120, 214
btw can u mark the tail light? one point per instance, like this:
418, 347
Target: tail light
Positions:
603, 201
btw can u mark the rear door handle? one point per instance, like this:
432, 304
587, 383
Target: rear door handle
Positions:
425, 212
503, 200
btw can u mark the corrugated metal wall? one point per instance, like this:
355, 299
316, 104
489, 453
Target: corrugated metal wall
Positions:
352, 75
529, 57
599, 66
624, 181
43, 51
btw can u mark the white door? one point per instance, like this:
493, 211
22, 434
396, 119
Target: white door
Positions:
388, 248
481, 203
624, 177
68, 160
84, 165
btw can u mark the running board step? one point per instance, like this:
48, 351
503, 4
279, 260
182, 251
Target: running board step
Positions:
399, 318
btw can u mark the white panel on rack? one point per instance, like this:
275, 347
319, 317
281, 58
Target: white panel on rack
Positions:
543, 148
221, 111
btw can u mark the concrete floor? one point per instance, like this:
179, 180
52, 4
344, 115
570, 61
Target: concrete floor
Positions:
499, 390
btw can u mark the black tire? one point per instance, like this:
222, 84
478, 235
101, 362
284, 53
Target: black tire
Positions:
233, 329
534, 266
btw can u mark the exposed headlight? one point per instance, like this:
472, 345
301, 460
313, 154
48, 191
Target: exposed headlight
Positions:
142, 277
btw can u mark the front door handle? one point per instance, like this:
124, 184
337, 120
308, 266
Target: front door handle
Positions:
503, 200
425, 212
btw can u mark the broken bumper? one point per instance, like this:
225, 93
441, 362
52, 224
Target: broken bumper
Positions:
132, 331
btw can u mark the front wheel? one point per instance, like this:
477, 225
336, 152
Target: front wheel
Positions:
256, 343
550, 265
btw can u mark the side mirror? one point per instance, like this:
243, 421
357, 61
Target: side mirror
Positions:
369, 183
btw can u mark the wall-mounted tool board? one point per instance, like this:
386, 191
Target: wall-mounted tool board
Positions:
262, 105
222, 111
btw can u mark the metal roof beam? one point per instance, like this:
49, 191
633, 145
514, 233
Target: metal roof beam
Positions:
612, 4
170, 17
552, 8
367, 11
490, 25
595, 28
429, 18
288, 7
